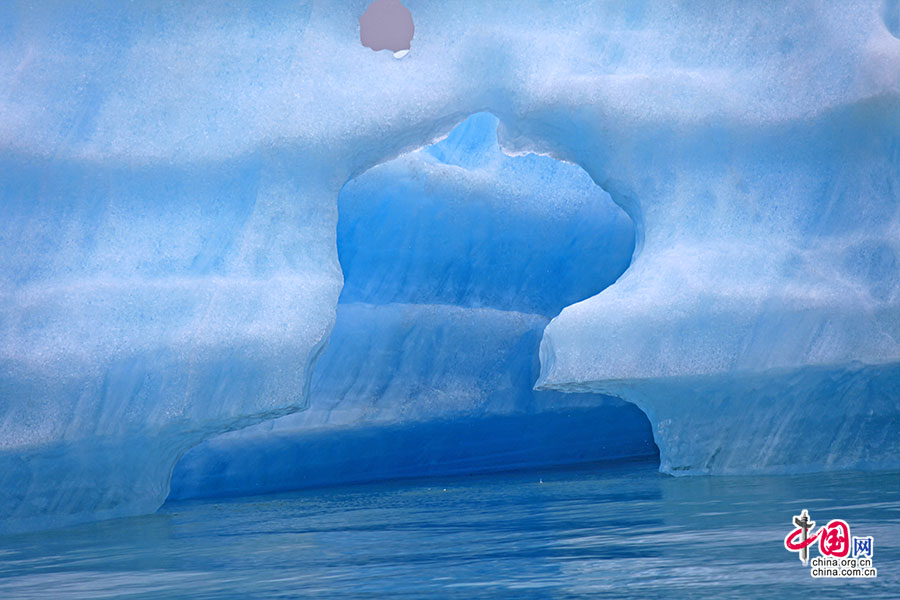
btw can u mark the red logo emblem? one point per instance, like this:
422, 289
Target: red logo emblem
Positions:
834, 539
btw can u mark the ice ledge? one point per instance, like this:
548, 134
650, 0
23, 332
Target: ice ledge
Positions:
812, 418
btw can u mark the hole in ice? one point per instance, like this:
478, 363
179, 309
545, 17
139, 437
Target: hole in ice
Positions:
455, 257
462, 223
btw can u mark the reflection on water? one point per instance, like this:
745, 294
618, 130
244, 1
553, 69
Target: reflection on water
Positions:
602, 531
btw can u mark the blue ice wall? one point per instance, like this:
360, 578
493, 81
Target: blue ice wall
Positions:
753, 144
462, 223
144, 309
434, 354
290, 460
802, 323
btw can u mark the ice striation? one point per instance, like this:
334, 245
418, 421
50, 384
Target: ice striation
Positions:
169, 181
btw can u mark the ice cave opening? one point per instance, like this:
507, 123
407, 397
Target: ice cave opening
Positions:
455, 257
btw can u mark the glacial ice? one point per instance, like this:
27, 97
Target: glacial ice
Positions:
418, 390
138, 311
434, 354
168, 208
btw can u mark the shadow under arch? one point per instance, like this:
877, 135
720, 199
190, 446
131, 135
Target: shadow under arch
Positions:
455, 257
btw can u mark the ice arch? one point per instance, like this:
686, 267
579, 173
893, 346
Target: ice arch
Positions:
455, 257
168, 268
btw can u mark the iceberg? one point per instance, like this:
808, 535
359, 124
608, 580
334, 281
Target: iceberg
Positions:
169, 184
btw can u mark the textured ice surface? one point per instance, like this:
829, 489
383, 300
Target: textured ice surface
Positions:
768, 267
411, 390
433, 358
461, 223
143, 309
169, 190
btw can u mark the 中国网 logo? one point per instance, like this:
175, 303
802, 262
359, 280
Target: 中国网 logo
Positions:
841, 554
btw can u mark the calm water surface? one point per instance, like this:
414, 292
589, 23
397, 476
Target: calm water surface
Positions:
600, 531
